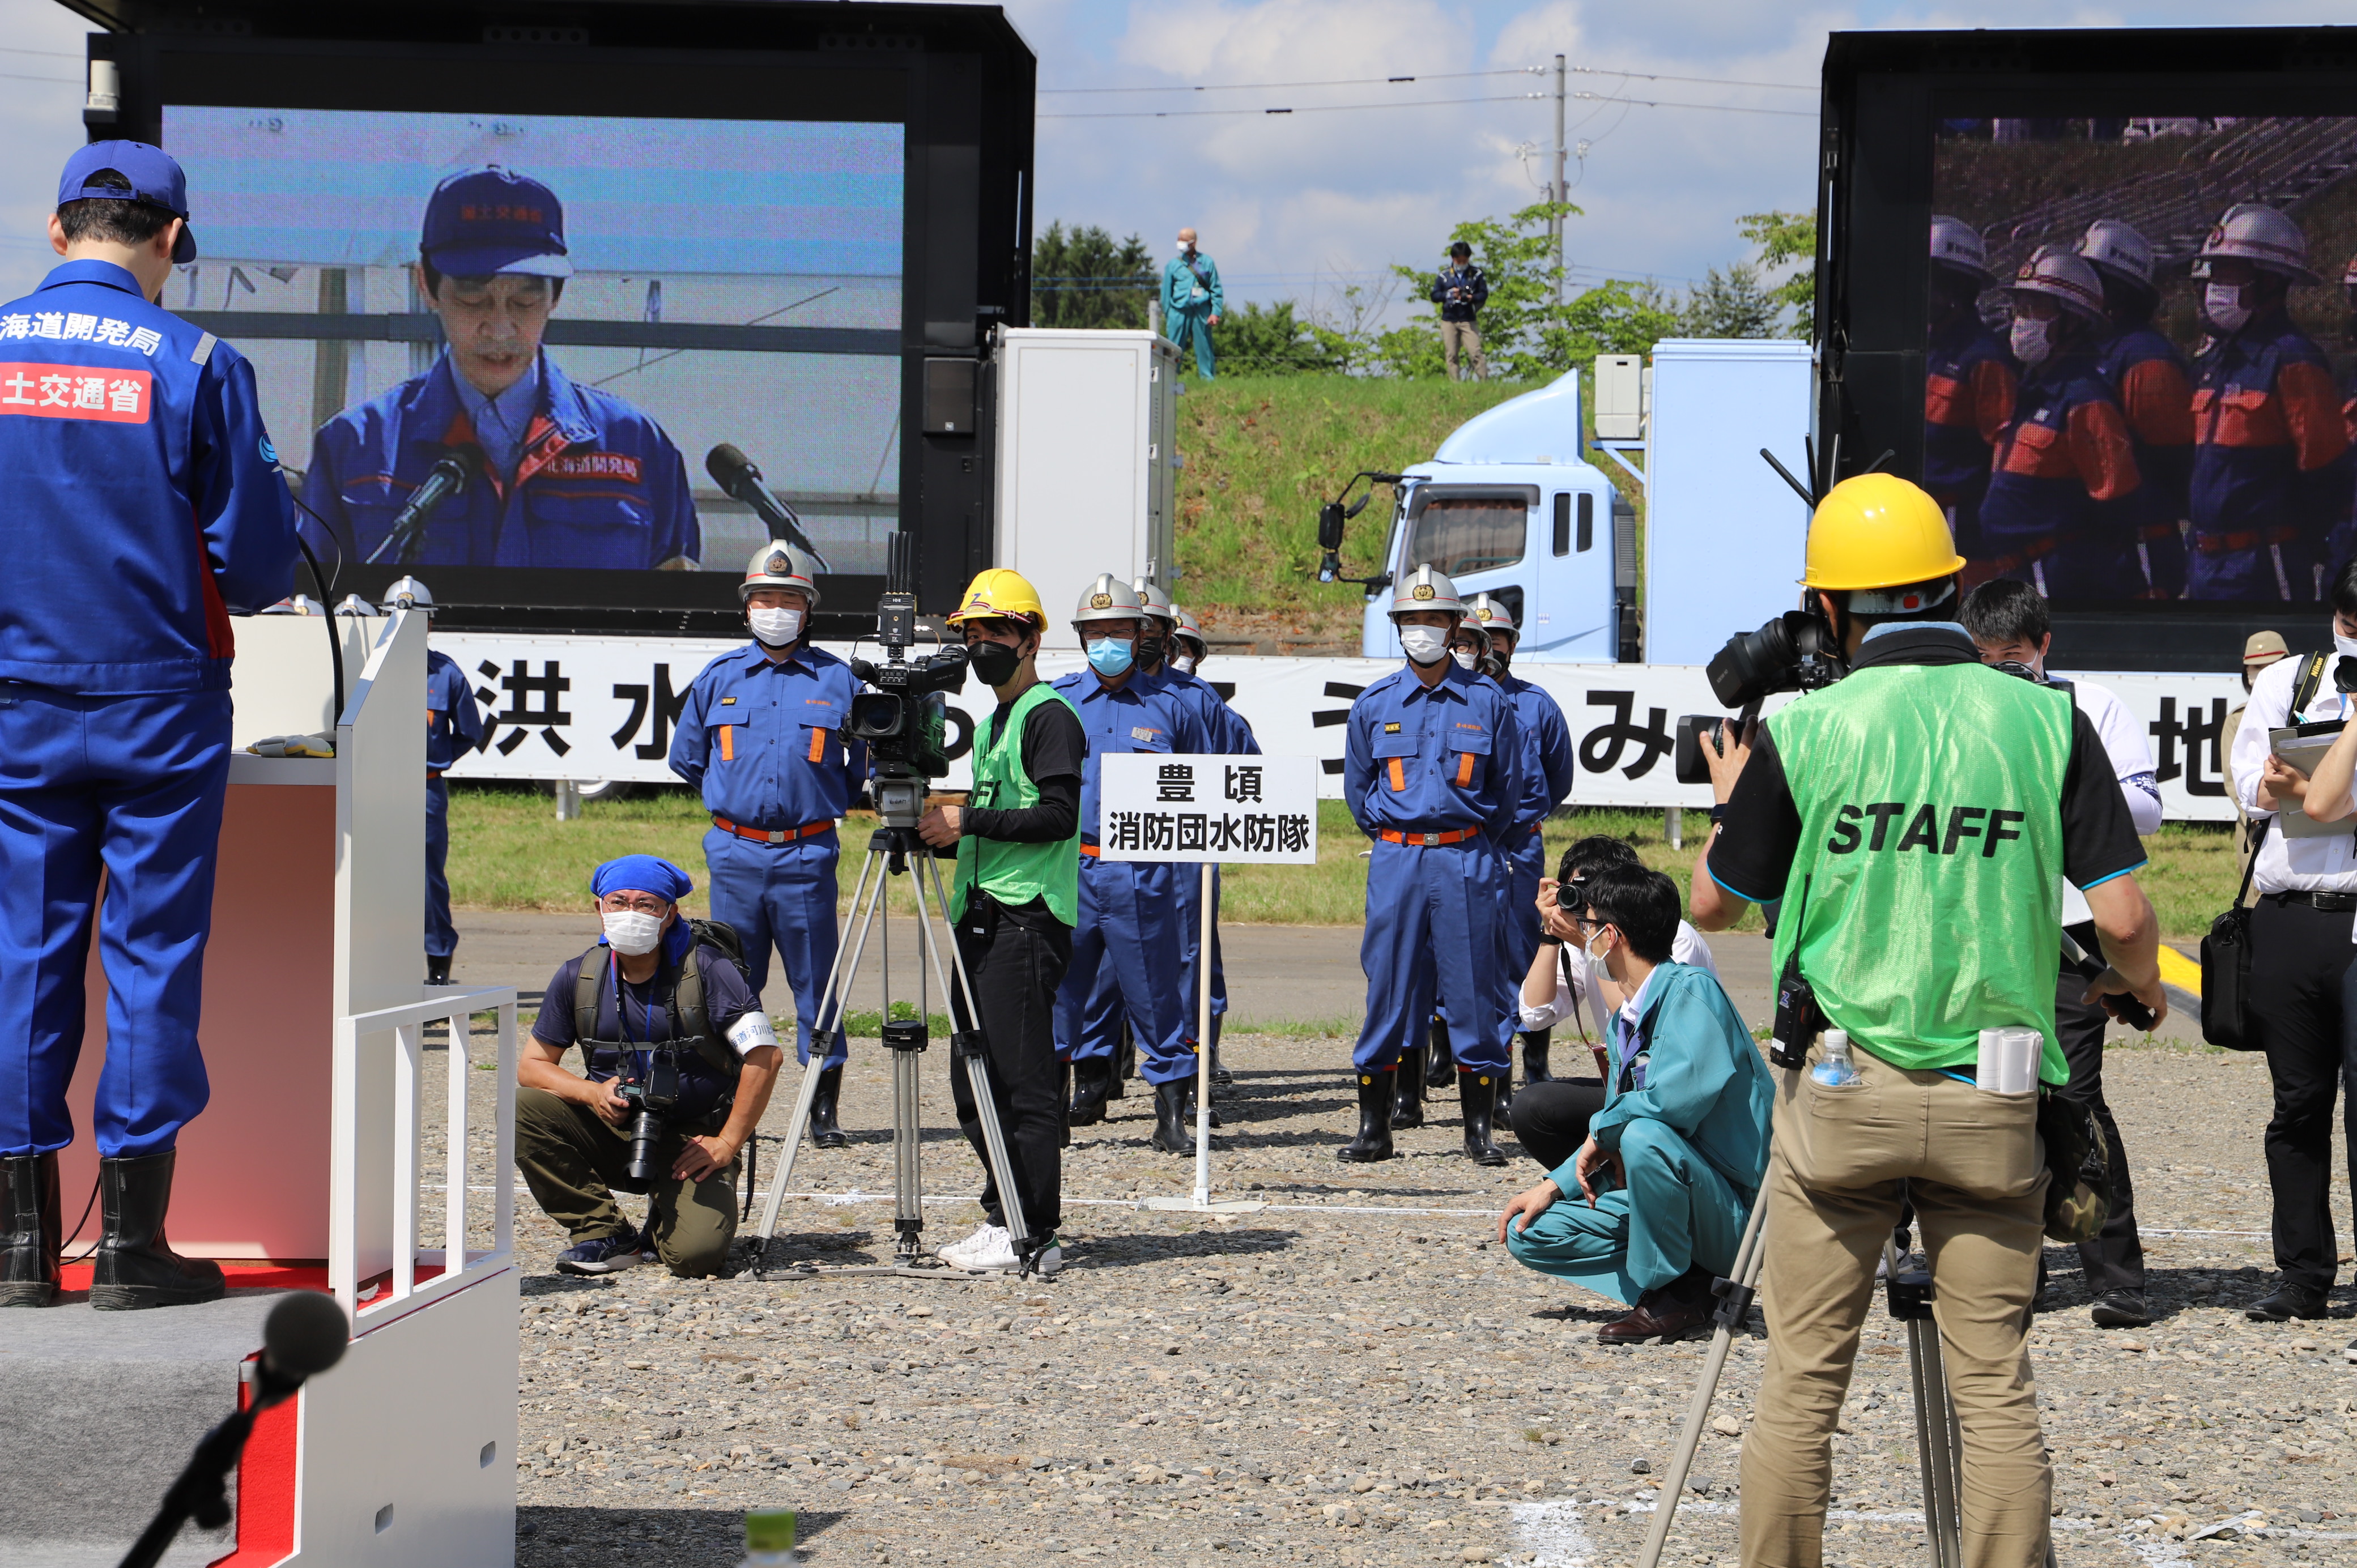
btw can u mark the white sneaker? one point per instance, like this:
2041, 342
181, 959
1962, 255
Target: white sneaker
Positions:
1000, 1257
987, 1238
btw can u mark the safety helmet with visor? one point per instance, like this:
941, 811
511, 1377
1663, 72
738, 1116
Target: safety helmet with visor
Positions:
778, 565
2257, 233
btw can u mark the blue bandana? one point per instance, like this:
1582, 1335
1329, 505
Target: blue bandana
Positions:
642, 873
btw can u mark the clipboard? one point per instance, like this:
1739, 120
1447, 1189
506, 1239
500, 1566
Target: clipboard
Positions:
2303, 746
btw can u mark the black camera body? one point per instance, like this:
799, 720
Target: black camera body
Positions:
650, 1105
905, 719
1795, 652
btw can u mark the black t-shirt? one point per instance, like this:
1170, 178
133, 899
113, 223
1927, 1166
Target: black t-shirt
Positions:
1055, 749
1760, 832
643, 1017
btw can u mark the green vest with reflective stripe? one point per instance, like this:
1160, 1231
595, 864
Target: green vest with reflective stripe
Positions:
1015, 873
1926, 900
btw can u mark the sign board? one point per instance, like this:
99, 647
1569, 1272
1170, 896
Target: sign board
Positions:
1236, 808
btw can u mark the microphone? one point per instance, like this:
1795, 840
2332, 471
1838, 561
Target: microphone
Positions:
303, 1336
447, 478
734, 472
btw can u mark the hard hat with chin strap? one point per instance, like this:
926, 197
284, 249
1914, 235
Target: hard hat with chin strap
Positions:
1153, 600
2261, 236
1107, 598
1190, 631
778, 564
1426, 589
2065, 278
1000, 593
2118, 250
1874, 533
1492, 614
1957, 244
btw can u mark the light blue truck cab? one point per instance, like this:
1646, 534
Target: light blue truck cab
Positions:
1511, 507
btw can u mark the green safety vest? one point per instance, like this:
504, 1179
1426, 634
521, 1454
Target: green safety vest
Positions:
1926, 900
1015, 873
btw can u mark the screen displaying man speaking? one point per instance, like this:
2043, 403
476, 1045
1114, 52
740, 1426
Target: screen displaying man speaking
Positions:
516, 338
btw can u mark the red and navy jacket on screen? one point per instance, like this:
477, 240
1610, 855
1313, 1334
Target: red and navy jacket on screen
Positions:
143, 499
2148, 376
598, 485
2064, 468
2268, 440
1969, 383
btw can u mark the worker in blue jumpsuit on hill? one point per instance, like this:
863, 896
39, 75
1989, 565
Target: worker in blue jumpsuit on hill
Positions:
555, 473
1432, 773
761, 734
454, 726
144, 505
1192, 301
1129, 910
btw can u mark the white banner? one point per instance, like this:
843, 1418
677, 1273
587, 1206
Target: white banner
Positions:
1262, 810
603, 707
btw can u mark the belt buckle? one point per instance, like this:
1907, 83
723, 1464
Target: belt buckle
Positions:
777, 837
1429, 840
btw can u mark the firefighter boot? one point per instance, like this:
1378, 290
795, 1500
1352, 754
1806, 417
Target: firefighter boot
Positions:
1374, 1140
137, 1267
1478, 1093
1407, 1093
31, 1238
824, 1132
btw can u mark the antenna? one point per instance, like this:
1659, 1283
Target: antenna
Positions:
900, 563
1799, 489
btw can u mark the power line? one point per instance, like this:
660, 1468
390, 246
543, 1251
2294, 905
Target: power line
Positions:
1301, 109
61, 80
1436, 76
1722, 108
52, 54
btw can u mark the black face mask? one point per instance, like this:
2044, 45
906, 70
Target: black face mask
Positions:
1149, 652
994, 662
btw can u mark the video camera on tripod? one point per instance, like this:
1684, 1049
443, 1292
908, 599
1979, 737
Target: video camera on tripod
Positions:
905, 719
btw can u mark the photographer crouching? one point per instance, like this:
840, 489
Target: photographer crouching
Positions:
680, 1063
1912, 823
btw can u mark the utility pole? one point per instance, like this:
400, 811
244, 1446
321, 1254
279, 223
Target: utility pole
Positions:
1559, 194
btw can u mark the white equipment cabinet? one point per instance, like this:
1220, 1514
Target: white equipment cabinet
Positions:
1086, 458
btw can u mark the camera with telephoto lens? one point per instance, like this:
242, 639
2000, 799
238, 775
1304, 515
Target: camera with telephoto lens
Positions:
905, 719
650, 1103
1792, 653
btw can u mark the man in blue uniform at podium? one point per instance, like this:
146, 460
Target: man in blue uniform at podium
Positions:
145, 506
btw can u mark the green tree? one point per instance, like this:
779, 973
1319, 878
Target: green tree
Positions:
1785, 239
1731, 304
1082, 277
1273, 340
1518, 258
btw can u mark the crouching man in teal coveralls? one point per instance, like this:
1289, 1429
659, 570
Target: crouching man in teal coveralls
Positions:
1667, 1170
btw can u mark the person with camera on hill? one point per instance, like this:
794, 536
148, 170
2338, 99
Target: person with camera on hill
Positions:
1910, 823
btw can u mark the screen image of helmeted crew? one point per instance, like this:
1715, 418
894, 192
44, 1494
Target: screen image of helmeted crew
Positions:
2141, 338
516, 340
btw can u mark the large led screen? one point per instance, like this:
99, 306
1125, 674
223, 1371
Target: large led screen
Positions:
2138, 380
563, 316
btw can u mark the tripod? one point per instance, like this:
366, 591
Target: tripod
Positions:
890, 852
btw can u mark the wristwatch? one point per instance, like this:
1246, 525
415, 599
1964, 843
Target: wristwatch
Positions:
1718, 814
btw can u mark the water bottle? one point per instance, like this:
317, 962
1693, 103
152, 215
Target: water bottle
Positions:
769, 1538
1836, 1069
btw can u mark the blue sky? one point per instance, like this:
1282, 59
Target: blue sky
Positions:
1296, 206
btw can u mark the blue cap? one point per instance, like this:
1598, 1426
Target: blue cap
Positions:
156, 181
642, 873
490, 221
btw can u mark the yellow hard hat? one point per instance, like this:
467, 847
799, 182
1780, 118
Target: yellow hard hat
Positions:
1001, 595
1876, 531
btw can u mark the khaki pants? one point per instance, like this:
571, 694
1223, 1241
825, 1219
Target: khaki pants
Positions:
573, 1160
1463, 335
1844, 1160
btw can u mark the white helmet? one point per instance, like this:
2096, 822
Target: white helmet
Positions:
1426, 589
1190, 631
294, 605
776, 565
354, 604
1491, 613
2261, 236
1957, 243
2064, 276
2116, 250
1153, 600
1107, 598
408, 594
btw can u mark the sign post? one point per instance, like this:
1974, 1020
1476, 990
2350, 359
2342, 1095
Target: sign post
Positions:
1206, 810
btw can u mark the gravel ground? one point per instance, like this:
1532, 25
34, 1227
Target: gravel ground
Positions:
1356, 1374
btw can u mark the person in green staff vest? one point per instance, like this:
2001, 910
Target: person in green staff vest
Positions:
1012, 903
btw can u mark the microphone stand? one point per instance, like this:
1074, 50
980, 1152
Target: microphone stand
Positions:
201, 1491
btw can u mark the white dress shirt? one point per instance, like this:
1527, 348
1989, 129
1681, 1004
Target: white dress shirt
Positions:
2131, 758
2326, 864
1687, 947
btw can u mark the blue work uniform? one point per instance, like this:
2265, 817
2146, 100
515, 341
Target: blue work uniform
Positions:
1129, 910
2268, 481
2148, 374
1192, 295
144, 505
1969, 383
1550, 766
454, 726
2064, 496
763, 739
1434, 775
595, 482
1229, 736
1690, 1124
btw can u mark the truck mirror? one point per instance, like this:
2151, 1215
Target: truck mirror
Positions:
1329, 526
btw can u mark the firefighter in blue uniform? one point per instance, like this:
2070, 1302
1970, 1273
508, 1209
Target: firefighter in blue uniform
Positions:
2064, 499
1969, 379
2268, 481
761, 733
2148, 375
145, 506
454, 726
557, 474
1432, 773
1129, 910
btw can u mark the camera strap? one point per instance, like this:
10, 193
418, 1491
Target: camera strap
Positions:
690, 1025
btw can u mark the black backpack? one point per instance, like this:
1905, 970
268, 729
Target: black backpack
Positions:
687, 1008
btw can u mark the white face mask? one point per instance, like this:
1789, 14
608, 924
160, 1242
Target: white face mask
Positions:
1183, 662
1424, 644
1466, 658
1590, 950
2223, 304
2345, 646
2031, 343
775, 629
631, 932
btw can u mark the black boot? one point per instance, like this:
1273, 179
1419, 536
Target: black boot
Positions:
30, 1236
1505, 1123
438, 970
1124, 1065
826, 1132
1173, 1132
1407, 1093
1221, 1076
1374, 1140
1091, 1081
1439, 1062
1191, 1106
1535, 1057
1477, 1094
137, 1267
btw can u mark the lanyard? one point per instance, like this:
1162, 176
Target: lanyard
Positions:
644, 1059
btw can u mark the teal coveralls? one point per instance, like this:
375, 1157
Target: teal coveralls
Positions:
1189, 302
